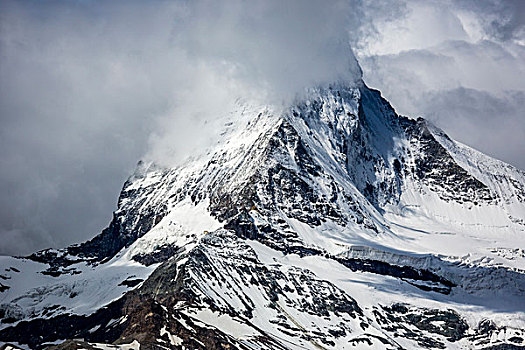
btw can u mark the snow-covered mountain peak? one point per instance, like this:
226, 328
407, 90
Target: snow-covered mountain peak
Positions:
331, 223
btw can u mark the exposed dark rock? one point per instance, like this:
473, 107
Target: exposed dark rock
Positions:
131, 282
406, 273
161, 254
441, 173
486, 326
242, 224
446, 323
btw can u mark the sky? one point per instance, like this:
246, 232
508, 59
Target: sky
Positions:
87, 88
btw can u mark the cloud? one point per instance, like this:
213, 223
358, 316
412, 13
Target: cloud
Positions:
267, 52
501, 20
280, 47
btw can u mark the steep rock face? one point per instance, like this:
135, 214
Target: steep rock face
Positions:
334, 223
381, 150
437, 169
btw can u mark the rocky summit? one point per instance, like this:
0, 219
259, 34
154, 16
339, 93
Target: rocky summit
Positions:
333, 223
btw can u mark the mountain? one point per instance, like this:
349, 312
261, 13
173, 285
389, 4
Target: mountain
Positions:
333, 223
